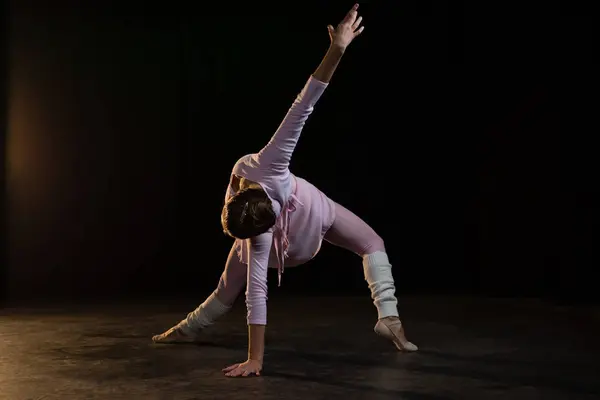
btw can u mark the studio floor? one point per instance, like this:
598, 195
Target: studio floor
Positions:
318, 348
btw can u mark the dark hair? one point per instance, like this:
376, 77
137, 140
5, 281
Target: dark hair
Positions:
248, 213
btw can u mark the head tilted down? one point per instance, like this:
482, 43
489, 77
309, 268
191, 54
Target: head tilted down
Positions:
248, 213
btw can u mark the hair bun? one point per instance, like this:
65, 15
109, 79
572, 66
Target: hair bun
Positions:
248, 213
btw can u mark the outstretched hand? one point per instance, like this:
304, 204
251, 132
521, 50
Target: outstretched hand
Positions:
347, 30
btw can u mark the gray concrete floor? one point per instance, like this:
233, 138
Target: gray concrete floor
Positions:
317, 348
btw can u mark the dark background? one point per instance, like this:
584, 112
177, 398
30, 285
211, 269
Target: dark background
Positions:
460, 133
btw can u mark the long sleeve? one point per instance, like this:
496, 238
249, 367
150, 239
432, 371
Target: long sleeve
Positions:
256, 290
276, 155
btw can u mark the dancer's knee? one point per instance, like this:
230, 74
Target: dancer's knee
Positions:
232, 281
374, 244
225, 298
227, 293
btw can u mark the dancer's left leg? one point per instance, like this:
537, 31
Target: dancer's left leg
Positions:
352, 233
230, 286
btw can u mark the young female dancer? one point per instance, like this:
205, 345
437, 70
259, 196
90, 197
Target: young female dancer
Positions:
279, 220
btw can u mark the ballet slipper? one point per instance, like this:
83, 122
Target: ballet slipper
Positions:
174, 335
391, 329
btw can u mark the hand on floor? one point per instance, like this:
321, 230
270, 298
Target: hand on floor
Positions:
248, 368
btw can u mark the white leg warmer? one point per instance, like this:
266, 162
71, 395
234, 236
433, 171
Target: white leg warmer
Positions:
205, 315
378, 274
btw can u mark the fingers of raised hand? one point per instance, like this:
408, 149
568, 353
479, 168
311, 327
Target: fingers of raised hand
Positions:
351, 16
354, 27
356, 23
351, 22
359, 31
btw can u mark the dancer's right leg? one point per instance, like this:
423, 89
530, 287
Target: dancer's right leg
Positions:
216, 305
352, 233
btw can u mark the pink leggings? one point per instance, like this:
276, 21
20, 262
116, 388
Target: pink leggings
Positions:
347, 231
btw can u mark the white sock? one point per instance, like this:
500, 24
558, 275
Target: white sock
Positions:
378, 274
205, 315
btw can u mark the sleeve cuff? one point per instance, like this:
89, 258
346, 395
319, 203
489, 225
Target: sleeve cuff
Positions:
256, 321
314, 81
312, 91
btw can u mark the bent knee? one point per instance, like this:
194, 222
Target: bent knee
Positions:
374, 244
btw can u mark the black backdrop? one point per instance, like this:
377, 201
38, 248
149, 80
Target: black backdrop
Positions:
459, 133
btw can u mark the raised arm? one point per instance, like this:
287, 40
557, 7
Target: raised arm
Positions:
276, 155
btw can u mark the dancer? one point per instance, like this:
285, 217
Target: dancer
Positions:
280, 220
